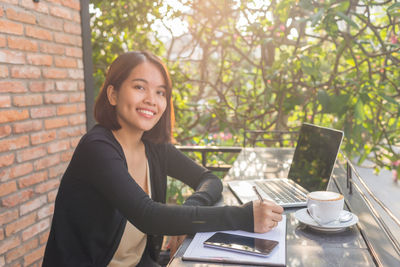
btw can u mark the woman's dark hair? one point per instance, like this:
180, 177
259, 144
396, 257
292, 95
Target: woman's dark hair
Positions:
117, 73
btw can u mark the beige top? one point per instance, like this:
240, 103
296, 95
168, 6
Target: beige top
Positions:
133, 241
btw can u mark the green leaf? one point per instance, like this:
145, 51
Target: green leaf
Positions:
389, 99
347, 19
359, 111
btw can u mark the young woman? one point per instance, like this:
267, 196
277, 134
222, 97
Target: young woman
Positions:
110, 209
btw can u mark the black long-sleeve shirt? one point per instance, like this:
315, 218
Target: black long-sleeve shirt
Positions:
97, 196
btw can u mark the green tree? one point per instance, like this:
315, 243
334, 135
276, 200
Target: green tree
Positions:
269, 65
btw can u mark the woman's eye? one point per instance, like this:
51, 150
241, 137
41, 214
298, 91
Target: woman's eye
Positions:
139, 87
161, 93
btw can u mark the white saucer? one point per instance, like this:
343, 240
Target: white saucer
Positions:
336, 226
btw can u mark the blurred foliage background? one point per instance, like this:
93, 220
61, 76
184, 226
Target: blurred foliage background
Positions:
241, 65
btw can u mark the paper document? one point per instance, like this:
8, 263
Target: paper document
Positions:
196, 251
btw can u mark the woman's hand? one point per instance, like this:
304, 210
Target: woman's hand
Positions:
266, 214
174, 243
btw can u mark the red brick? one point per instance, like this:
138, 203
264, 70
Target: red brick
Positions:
34, 256
43, 237
36, 32
5, 130
68, 39
6, 160
43, 137
5, 101
74, 4
54, 73
47, 186
52, 48
42, 86
15, 2
32, 179
41, 60
9, 244
66, 156
20, 224
19, 170
17, 198
77, 97
27, 126
77, 119
14, 143
22, 250
22, 44
12, 57
12, 87
35, 229
3, 71
61, 12
65, 62
27, 100
20, 16
56, 98
25, 72
3, 42
40, 6
69, 132
11, 27
50, 22
73, 28
13, 115
57, 170
46, 211
51, 196
74, 52
7, 188
67, 109
43, 112
32, 205
1, 238
31, 153
66, 86
46, 162
1, 11
76, 17
75, 74
58, 146
8, 216
55, 123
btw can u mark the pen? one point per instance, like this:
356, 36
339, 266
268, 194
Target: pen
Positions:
258, 194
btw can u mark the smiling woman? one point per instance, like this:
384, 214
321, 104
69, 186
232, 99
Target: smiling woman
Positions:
122, 74
110, 209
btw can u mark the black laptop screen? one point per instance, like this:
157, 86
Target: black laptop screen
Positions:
315, 156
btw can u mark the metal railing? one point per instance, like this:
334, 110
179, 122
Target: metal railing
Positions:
205, 150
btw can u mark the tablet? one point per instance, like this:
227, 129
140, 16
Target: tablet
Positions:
243, 244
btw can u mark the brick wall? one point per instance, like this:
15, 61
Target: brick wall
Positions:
42, 117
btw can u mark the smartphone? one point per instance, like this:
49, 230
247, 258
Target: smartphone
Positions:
243, 244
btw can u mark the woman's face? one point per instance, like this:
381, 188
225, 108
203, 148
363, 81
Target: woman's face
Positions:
141, 100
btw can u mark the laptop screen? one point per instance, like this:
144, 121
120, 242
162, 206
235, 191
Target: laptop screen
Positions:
315, 156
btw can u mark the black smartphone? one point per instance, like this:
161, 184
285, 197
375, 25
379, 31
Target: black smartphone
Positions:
244, 244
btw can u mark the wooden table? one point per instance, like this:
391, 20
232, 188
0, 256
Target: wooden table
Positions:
364, 244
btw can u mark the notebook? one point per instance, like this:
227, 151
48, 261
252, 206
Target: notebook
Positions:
196, 251
311, 168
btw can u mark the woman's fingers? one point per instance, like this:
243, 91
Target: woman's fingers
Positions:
267, 214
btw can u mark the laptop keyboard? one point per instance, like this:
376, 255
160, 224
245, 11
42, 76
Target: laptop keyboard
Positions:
281, 192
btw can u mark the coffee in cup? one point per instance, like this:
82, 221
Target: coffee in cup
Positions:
325, 206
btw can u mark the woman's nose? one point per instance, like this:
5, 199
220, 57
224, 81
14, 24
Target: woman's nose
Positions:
150, 97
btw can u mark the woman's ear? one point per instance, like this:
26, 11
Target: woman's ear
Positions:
111, 95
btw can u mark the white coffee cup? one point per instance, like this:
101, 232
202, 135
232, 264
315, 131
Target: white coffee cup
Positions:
325, 206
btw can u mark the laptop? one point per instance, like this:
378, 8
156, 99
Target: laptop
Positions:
311, 168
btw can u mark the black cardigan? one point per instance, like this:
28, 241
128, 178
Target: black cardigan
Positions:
97, 196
